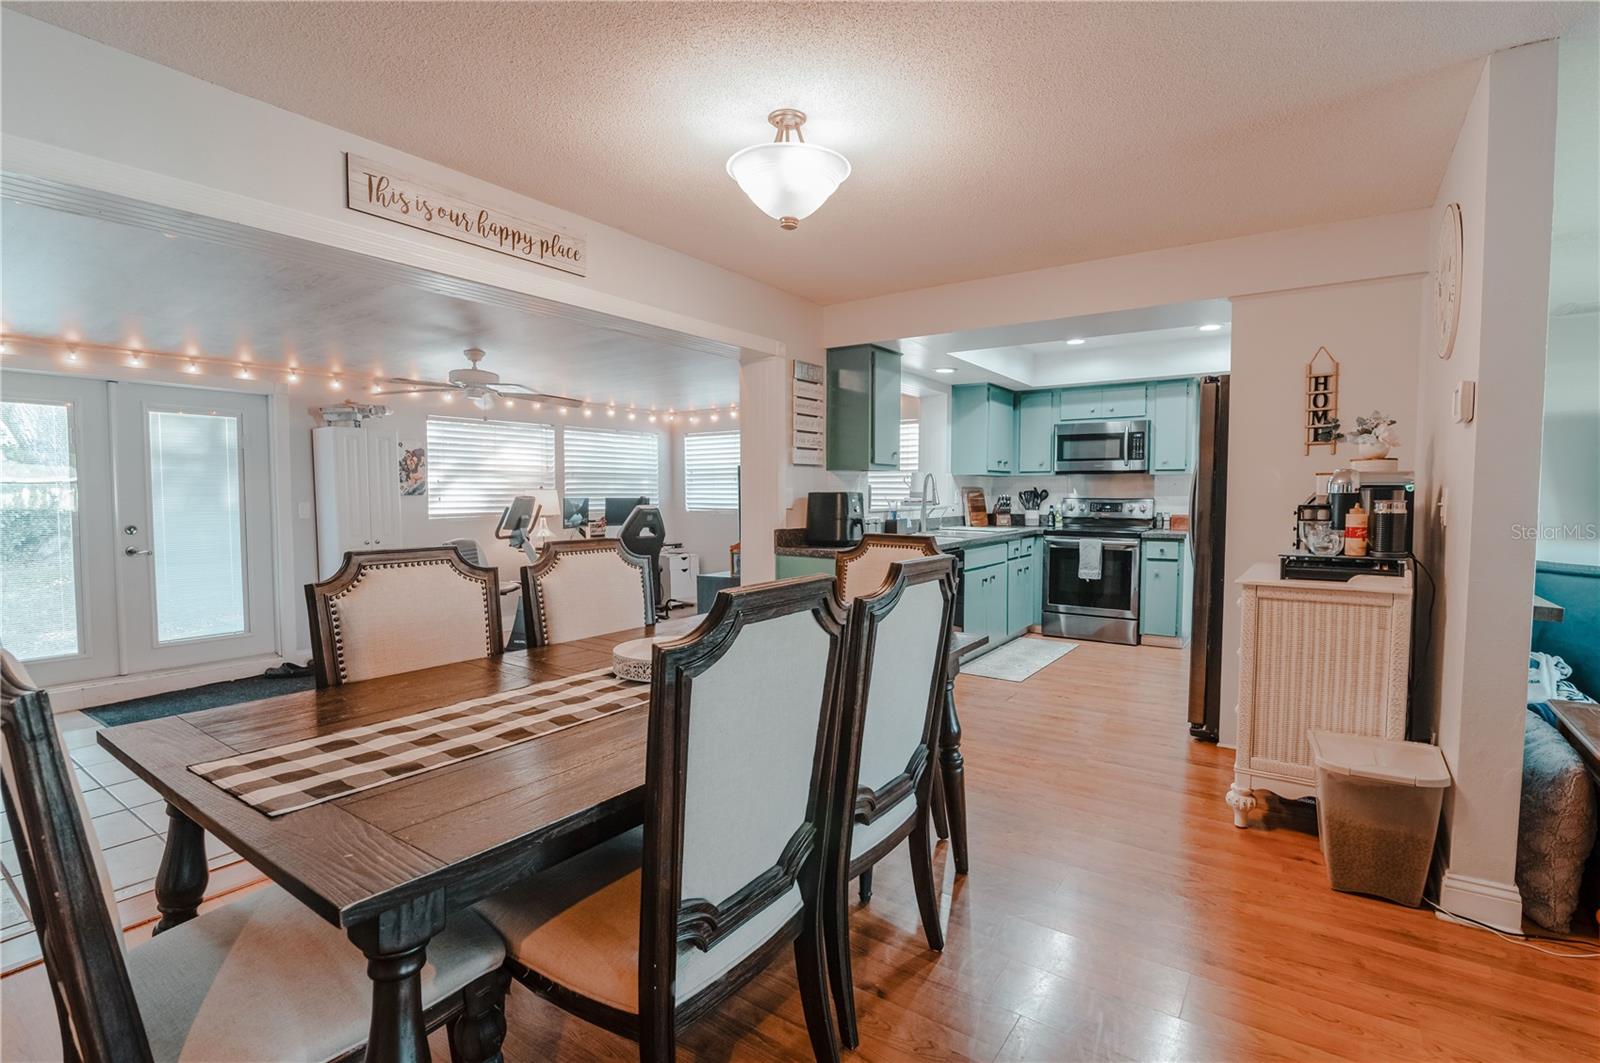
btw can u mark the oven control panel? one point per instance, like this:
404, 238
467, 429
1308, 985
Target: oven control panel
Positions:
1108, 508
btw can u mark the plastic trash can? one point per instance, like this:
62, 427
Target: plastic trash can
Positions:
1377, 812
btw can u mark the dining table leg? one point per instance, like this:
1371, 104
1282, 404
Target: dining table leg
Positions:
953, 773
181, 879
395, 943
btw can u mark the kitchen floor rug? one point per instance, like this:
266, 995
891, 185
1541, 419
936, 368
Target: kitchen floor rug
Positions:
1016, 661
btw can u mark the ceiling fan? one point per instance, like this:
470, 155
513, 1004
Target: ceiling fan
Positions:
479, 385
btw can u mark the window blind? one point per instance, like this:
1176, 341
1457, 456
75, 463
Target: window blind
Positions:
601, 463
888, 489
711, 470
477, 466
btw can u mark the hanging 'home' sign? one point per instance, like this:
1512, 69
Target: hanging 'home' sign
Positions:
1322, 401
380, 190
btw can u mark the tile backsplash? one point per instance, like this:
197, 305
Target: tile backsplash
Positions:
1170, 490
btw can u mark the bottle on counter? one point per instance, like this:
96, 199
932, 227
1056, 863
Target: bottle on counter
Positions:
1355, 532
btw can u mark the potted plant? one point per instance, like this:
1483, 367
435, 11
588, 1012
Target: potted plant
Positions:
1373, 435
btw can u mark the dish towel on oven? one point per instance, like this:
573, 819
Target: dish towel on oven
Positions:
1089, 551
296, 775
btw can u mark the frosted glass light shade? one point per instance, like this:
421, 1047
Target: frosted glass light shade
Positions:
788, 180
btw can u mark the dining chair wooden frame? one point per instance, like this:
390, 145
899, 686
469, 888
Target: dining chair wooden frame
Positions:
537, 621
328, 649
97, 1009
667, 919
869, 551
860, 806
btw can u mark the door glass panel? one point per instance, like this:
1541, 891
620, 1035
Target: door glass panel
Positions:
38, 538
1113, 590
196, 528
1090, 448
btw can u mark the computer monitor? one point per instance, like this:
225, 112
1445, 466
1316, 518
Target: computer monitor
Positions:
574, 512
618, 508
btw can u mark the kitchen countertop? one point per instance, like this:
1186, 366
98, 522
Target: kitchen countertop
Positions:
791, 542
1165, 533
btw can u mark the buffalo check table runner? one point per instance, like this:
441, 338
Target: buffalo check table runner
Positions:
297, 775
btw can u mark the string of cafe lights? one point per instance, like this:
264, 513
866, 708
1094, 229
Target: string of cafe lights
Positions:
75, 352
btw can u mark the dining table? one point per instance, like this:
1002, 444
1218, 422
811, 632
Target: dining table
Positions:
390, 864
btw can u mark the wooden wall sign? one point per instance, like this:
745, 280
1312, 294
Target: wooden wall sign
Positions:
810, 413
1322, 401
380, 190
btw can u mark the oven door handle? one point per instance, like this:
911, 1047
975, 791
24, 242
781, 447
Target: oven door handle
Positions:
1105, 544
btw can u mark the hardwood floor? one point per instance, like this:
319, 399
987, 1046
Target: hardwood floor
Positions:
1114, 912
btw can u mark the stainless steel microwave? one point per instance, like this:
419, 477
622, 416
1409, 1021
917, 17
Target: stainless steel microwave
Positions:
1103, 446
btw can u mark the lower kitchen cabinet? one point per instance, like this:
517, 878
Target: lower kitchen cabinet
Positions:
789, 566
985, 603
1163, 596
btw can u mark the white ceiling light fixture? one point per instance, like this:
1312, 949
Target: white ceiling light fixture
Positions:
1211, 327
944, 369
1076, 341
788, 178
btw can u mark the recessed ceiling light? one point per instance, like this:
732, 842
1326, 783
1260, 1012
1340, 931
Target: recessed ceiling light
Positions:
1212, 327
1076, 341
944, 369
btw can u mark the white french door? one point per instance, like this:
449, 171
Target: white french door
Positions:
148, 540
194, 531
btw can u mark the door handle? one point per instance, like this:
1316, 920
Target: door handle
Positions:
134, 551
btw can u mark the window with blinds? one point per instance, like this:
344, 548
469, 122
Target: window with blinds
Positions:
477, 466
711, 470
600, 463
888, 489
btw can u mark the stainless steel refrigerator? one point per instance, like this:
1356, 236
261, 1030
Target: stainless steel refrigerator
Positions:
1208, 507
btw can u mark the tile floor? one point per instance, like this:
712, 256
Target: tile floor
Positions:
130, 822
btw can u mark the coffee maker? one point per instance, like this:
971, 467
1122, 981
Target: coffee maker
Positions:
1388, 501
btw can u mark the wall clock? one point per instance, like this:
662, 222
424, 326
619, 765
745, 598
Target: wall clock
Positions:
1447, 282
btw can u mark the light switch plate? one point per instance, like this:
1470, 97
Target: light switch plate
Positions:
305, 511
1463, 401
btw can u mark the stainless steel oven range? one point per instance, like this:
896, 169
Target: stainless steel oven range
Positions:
1078, 604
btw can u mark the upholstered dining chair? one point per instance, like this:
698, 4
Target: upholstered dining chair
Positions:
863, 568
389, 611
260, 977
893, 693
583, 587
654, 929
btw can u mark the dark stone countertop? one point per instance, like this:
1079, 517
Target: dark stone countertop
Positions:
1165, 533
791, 542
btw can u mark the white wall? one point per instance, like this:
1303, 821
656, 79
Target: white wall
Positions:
1371, 328
1478, 482
77, 111
1569, 483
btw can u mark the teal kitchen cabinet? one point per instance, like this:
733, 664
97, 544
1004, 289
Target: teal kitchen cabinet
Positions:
1036, 427
983, 430
1113, 401
789, 566
863, 415
985, 603
1172, 426
1162, 595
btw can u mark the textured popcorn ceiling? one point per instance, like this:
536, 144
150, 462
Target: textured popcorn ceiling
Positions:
986, 138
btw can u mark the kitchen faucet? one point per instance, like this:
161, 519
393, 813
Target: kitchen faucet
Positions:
927, 495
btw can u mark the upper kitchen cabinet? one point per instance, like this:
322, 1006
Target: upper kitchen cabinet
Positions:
863, 408
1103, 403
1036, 422
1171, 425
983, 430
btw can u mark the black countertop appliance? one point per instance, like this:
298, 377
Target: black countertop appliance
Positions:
834, 518
1389, 526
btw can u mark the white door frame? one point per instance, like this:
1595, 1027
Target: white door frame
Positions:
142, 651
98, 651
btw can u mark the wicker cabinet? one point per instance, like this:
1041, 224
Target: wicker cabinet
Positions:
1314, 656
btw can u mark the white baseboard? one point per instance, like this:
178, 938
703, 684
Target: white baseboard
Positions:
74, 697
1498, 904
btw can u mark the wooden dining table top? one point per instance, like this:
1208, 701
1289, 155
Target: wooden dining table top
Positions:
461, 831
